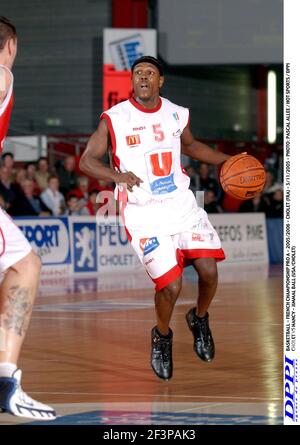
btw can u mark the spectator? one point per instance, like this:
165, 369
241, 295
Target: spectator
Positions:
92, 207
73, 207
195, 182
210, 202
3, 203
207, 182
7, 189
275, 207
20, 177
26, 204
257, 204
42, 173
269, 181
67, 175
82, 191
52, 197
8, 160
30, 174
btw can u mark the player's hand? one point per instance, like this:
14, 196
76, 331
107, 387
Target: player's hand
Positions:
128, 178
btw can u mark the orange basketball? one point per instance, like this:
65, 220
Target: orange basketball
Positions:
242, 176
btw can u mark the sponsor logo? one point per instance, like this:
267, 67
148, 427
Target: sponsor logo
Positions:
85, 247
177, 134
250, 179
49, 238
176, 117
134, 139
125, 51
147, 245
197, 237
160, 171
290, 389
139, 128
150, 261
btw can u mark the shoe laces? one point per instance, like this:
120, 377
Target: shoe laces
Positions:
204, 328
165, 350
163, 347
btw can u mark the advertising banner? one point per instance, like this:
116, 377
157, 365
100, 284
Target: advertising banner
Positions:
50, 239
243, 236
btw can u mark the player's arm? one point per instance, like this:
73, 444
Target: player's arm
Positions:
90, 162
199, 151
5, 83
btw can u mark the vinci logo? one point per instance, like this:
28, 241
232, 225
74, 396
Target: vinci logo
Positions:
133, 140
290, 390
85, 247
147, 245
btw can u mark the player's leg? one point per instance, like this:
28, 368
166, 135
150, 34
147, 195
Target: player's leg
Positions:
197, 317
17, 294
165, 300
207, 283
202, 248
18, 290
160, 260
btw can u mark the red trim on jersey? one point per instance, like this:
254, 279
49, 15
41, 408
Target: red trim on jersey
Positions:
5, 118
123, 199
183, 170
218, 254
167, 278
116, 160
3, 242
144, 109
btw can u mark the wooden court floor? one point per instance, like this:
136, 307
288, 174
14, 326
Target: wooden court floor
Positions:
88, 352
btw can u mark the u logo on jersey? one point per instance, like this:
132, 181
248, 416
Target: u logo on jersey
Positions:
133, 140
161, 171
161, 163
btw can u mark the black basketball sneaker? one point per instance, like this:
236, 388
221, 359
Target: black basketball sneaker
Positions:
161, 354
203, 341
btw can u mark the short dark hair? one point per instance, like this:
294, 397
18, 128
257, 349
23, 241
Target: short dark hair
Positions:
7, 31
8, 153
149, 59
53, 177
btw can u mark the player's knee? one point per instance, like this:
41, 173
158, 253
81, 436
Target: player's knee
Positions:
208, 273
172, 290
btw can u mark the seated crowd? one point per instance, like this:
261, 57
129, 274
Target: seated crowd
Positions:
36, 190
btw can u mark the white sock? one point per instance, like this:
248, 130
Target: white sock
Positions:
7, 369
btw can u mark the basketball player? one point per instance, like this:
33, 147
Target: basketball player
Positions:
19, 265
164, 224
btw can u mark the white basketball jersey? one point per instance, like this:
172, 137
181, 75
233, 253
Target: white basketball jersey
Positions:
147, 143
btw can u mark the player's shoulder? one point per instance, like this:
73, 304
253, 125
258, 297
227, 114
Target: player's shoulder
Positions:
6, 84
118, 109
174, 107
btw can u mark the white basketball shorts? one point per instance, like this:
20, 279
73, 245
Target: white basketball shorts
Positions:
164, 257
13, 244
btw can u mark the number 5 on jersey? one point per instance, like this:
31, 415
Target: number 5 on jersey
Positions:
159, 134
